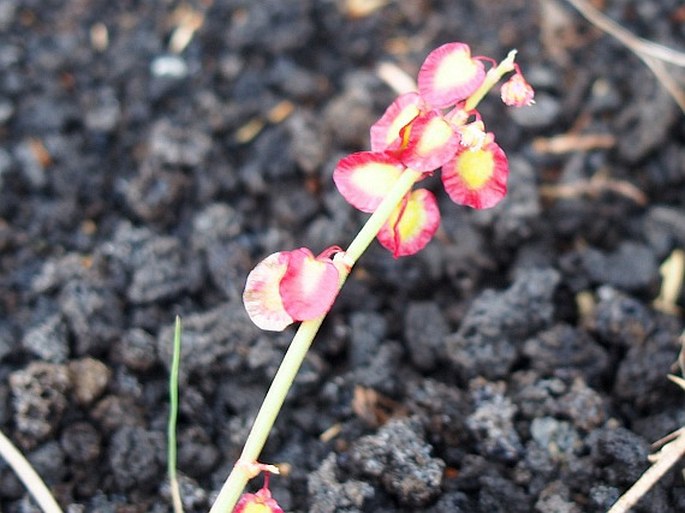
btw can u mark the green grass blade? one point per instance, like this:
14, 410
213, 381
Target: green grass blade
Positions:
173, 416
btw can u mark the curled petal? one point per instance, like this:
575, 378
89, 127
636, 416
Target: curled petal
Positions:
412, 225
477, 177
449, 75
516, 92
262, 297
385, 133
429, 142
309, 285
366, 177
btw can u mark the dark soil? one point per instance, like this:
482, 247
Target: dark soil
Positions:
518, 364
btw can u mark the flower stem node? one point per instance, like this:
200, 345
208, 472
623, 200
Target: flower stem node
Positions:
254, 468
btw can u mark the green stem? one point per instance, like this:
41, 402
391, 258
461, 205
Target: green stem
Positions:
237, 480
491, 78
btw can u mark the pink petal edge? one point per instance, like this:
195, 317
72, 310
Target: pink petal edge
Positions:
464, 83
309, 285
262, 298
386, 131
493, 190
364, 178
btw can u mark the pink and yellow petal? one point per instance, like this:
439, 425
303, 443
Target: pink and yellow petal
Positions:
260, 502
412, 225
366, 177
477, 177
449, 75
385, 133
309, 285
262, 296
430, 142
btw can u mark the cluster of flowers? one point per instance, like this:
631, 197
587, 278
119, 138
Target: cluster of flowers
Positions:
436, 127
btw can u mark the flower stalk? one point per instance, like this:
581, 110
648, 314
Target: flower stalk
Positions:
292, 361
419, 133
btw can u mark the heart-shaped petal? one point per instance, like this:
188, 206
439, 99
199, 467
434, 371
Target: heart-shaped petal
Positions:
309, 285
477, 177
366, 177
412, 225
449, 75
385, 133
262, 296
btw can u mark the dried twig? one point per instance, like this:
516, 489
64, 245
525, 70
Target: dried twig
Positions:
593, 187
666, 458
395, 77
25, 472
652, 54
638, 45
672, 273
566, 143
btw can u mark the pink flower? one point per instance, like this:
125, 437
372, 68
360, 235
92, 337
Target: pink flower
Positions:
516, 92
436, 127
260, 502
477, 177
291, 286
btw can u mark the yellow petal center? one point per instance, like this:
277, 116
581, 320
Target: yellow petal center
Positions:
475, 167
257, 507
375, 178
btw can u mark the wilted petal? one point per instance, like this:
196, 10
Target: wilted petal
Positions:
449, 75
477, 177
366, 177
516, 92
309, 285
430, 141
262, 296
412, 225
385, 132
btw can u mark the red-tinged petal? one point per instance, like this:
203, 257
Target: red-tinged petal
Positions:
477, 177
262, 297
386, 131
449, 75
412, 225
430, 142
365, 178
309, 285
260, 502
